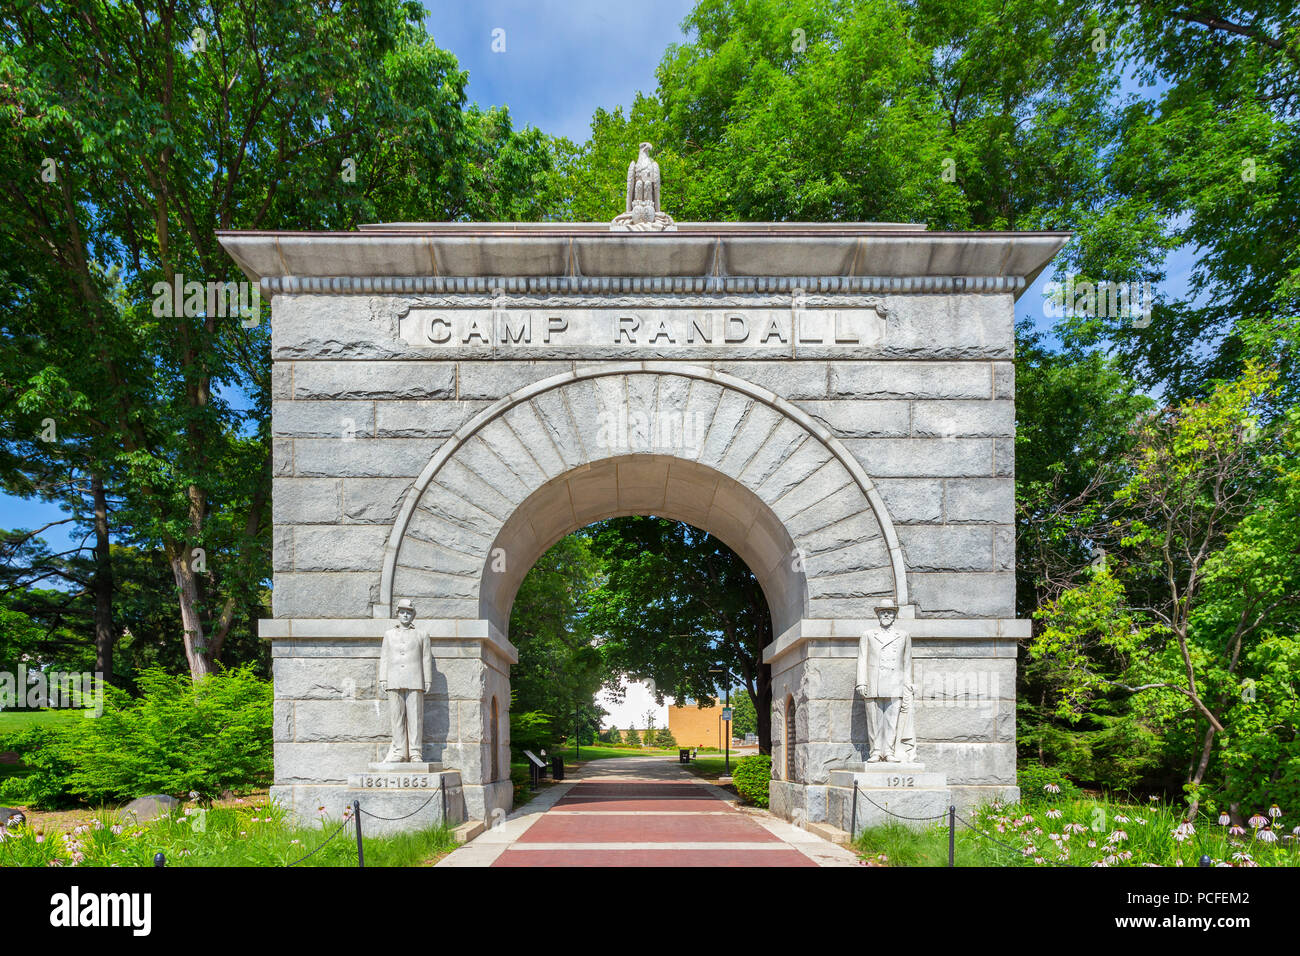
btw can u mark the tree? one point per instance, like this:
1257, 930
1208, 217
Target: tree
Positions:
743, 718
1201, 580
665, 739
631, 738
559, 669
676, 602
134, 131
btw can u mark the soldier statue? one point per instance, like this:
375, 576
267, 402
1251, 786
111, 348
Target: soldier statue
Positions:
405, 674
885, 681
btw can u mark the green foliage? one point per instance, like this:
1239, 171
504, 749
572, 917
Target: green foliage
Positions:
664, 738
1034, 781
559, 669
530, 730
240, 836
177, 737
674, 603
631, 738
612, 736
744, 719
751, 778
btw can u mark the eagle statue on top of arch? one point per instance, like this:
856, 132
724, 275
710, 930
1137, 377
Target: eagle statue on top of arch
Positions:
641, 211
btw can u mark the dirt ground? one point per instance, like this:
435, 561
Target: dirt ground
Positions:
62, 821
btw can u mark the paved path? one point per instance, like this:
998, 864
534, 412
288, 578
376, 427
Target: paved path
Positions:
643, 811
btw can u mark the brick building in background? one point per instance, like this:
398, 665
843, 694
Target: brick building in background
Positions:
695, 726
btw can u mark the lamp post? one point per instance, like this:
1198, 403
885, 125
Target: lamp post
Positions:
726, 706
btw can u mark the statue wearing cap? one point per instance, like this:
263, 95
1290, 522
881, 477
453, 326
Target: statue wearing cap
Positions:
405, 675
885, 682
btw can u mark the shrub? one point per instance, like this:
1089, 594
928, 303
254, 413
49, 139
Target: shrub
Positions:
664, 738
751, 777
177, 737
531, 730
1033, 779
631, 738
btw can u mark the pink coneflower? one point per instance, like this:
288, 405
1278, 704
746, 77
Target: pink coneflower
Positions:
1126, 855
1236, 829
1054, 813
1275, 811
1099, 863
1029, 850
1120, 818
1052, 787
1074, 828
1092, 843
1039, 859
1112, 860
1178, 861
1117, 835
1257, 821
1224, 819
1267, 835
1241, 855
116, 830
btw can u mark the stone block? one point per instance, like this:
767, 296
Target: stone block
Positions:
281, 457
373, 380
417, 419
281, 380
920, 457
979, 501
963, 594
282, 548
299, 679
322, 419
947, 547
965, 721
912, 500
282, 720
362, 457
796, 381
339, 547
963, 763
324, 762
494, 380
963, 419
919, 380
861, 419
322, 594
1004, 457
305, 501
373, 500
963, 680
1004, 380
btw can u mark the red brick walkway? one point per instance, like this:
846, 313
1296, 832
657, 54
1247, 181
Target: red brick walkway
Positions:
618, 820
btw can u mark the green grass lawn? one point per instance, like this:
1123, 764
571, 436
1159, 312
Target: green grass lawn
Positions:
12, 721
1076, 832
252, 836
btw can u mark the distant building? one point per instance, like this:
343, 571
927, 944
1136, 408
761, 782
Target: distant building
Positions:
695, 726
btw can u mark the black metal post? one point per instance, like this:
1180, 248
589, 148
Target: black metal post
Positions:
727, 761
952, 834
853, 825
159, 860
356, 816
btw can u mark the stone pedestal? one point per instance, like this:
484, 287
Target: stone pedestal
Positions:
903, 793
404, 767
396, 802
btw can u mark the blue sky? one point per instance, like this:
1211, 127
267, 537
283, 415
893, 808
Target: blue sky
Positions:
561, 60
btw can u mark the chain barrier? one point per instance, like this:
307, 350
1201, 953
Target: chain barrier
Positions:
892, 813
341, 828
375, 816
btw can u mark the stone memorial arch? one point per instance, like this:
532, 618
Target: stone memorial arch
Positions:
834, 402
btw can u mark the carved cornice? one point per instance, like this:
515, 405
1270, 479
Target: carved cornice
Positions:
615, 285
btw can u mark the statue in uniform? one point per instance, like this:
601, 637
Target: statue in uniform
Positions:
405, 675
885, 681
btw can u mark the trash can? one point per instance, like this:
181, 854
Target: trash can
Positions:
557, 768
684, 755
